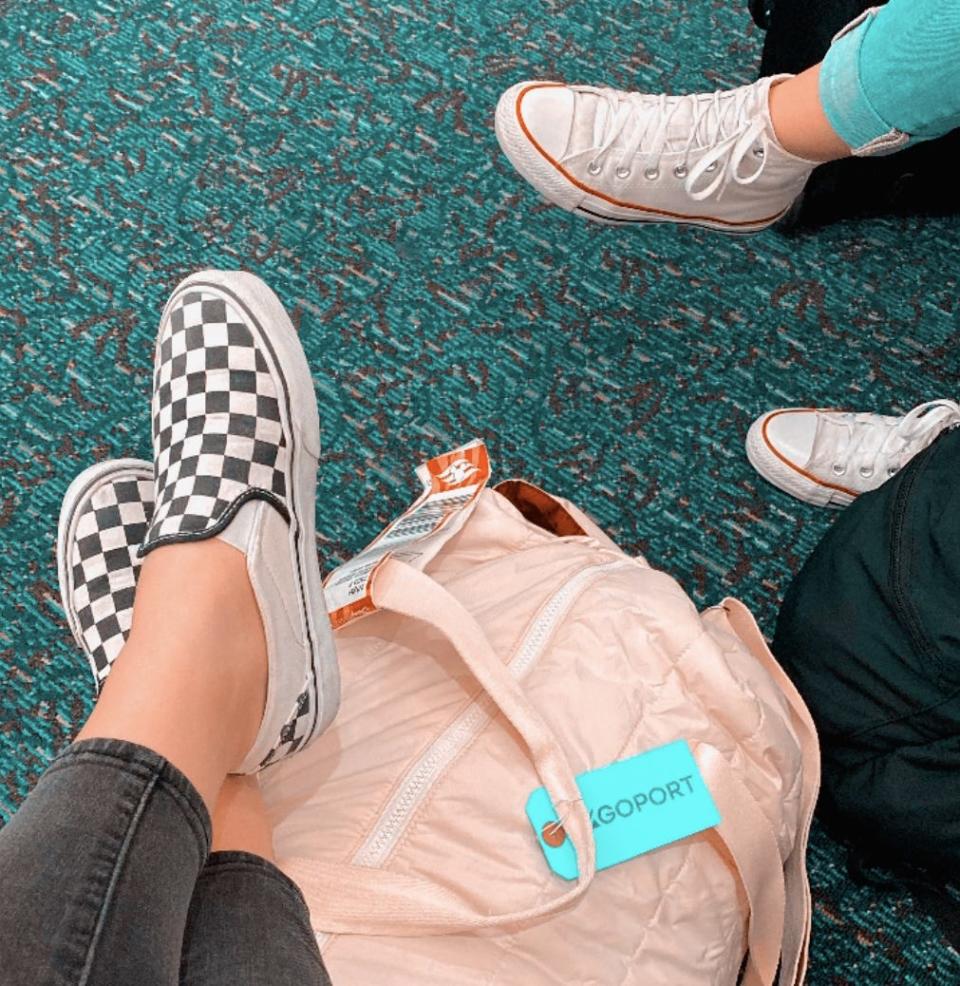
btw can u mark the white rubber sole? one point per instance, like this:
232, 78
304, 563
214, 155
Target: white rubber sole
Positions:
594, 217
301, 419
78, 493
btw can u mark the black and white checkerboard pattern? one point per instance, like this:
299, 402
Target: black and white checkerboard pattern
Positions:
294, 732
217, 430
110, 526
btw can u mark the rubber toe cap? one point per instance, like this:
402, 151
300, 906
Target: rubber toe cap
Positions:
791, 434
545, 112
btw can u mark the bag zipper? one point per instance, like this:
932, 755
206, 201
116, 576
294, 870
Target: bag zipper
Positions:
420, 778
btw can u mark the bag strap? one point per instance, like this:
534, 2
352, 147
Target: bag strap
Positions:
346, 898
799, 915
752, 846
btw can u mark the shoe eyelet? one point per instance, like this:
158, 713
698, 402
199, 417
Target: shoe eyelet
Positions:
711, 167
594, 167
651, 174
892, 471
680, 171
838, 469
759, 152
623, 173
865, 472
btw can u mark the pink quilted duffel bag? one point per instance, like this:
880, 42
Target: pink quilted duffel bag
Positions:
493, 642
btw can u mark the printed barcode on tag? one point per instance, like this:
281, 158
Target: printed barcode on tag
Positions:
426, 518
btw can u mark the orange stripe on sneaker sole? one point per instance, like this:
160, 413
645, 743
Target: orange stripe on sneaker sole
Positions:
650, 210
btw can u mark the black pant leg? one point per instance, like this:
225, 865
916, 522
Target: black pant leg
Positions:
97, 870
249, 926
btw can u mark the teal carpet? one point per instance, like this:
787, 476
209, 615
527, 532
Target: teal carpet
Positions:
344, 151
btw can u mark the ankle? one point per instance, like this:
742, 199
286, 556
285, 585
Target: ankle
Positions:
240, 821
798, 120
199, 596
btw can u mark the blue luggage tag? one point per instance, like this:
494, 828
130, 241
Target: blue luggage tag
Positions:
635, 805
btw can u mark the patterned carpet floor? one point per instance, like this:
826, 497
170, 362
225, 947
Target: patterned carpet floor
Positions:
344, 151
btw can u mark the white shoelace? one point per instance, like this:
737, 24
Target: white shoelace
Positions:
875, 445
727, 118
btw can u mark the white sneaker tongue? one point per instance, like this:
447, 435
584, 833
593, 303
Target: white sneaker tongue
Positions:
681, 126
595, 118
708, 129
937, 412
932, 421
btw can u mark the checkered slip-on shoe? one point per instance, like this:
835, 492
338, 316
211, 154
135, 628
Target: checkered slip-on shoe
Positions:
236, 439
103, 520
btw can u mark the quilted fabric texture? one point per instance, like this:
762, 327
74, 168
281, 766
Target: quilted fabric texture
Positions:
344, 151
615, 659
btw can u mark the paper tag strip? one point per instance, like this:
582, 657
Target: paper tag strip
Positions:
451, 484
635, 805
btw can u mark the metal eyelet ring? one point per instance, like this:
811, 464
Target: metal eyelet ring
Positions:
892, 471
594, 167
711, 167
623, 173
651, 174
865, 472
759, 152
681, 171
838, 469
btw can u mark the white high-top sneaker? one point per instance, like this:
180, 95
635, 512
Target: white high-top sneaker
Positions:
709, 159
829, 457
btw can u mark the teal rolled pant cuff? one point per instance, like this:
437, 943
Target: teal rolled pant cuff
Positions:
892, 76
845, 103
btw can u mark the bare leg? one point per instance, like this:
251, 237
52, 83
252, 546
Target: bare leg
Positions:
888, 81
191, 684
799, 121
240, 819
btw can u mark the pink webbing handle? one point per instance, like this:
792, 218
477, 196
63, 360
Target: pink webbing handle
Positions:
752, 846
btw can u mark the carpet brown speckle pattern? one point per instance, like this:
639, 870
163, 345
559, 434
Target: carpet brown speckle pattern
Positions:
344, 151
